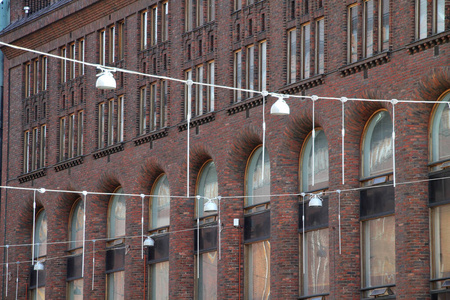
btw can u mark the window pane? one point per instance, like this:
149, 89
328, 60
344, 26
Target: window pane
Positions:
379, 251
160, 281
353, 34
316, 279
440, 15
258, 184
76, 225
40, 238
160, 206
440, 236
207, 187
292, 54
320, 47
422, 19
117, 214
385, 25
368, 13
306, 50
263, 66
377, 149
116, 286
38, 294
441, 132
258, 271
320, 163
76, 290
207, 286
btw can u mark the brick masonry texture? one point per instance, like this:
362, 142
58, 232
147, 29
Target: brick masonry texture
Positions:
228, 140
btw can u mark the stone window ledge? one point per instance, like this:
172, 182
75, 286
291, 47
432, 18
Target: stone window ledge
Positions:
154, 135
108, 151
429, 42
365, 64
32, 175
197, 121
69, 163
245, 105
304, 84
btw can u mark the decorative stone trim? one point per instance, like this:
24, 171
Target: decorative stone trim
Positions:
305, 84
155, 135
365, 64
197, 121
429, 42
68, 163
32, 175
244, 105
107, 151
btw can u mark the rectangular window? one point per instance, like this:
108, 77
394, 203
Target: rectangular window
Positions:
199, 14
35, 76
199, 92
165, 21
384, 25
43, 146
62, 138
306, 51
102, 48
121, 40
144, 22
250, 66
164, 104
188, 12
115, 284
421, 19
26, 151
292, 55
71, 147
111, 122
153, 115
237, 4
64, 65
352, 26
101, 125
320, 46
368, 28
120, 117
188, 95
440, 238
263, 66
112, 44
44, 72
438, 16
257, 270
211, 15
81, 56
34, 149
27, 80
143, 110
206, 287
159, 279
210, 89
154, 26
80, 133
237, 75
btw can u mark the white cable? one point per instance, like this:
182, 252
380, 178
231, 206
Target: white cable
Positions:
303, 232
17, 279
7, 270
142, 227
314, 99
93, 264
394, 101
343, 100
339, 220
34, 226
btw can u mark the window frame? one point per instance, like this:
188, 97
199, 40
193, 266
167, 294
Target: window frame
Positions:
383, 25
43, 145
237, 75
421, 18
352, 36
101, 125
165, 21
199, 90
368, 28
26, 151
80, 133
161, 180
144, 29
62, 138
291, 55
250, 69
262, 62
305, 49
210, 89
320, 46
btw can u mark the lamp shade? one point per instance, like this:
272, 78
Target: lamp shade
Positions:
149, 242
315, 201
105, 81
210, 206
280, 108
38, 266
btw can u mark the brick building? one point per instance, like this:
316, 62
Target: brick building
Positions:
383, 227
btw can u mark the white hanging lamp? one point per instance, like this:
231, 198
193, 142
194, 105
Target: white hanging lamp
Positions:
315, 201
210, 206
149, 242
105, 80
280, 107
39, 266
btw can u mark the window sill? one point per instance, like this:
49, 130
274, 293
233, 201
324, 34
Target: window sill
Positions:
427, 43
69, 163
365, 64
108, 151
32, 175
152, 136
198, 120
245, 105
304, 84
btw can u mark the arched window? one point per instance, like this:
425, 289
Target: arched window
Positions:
116, 215
440, 132
207, 187
37, 280
320, 163
257, 183
74, 262
160, 203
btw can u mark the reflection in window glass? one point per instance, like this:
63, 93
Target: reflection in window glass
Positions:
320, 163
379, 251
116, 286
160, 281
207, 187
316, 279
257, 184
76, 289
207, 284
377, 151
440, 132
117, 214
76, 226
258, 271
160, 206
40, 236
440, 236
38, 294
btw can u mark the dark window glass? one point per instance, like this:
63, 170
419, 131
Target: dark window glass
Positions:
208, 239
376, 202
257, 227
115, 260
315, 217
74, 264
160, 251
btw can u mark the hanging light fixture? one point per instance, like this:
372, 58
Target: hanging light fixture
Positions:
280, 107
210, 206
105, 80
39, 266
149, 242
315, 201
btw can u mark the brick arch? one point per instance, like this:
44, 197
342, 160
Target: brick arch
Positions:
150, 171
199, 155
434, 83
